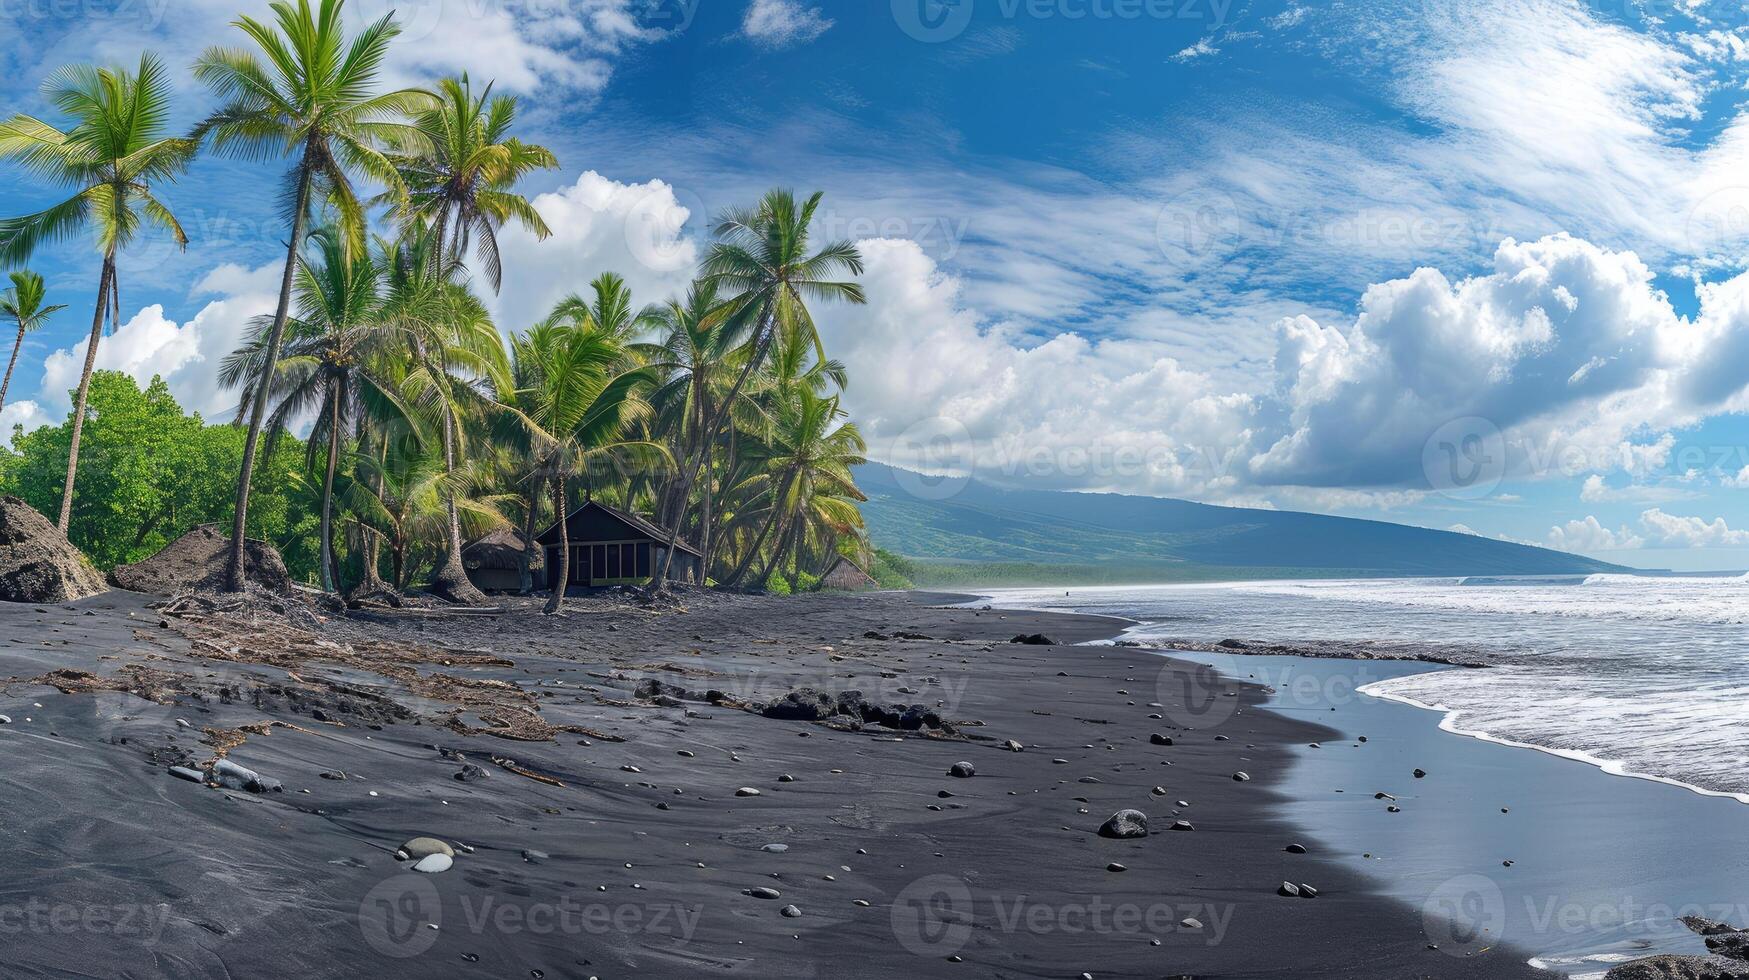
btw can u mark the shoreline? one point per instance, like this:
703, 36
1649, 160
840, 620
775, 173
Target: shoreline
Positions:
863, 832
1612, 767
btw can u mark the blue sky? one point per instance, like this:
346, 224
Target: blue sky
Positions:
1323, 256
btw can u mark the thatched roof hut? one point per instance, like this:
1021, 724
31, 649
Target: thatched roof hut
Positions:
493, 561
847, 576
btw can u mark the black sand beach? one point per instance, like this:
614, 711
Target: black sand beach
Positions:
616, 844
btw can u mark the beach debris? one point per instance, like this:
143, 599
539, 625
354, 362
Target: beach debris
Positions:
471, 773
509, 765
1159, 739
432, 864
184, 772
1193, 924
37, 562
1295, 848
768, 894
1182, 825
790, 912
1125, 824
786, 778
1420, 774
1115, 867
1013, 746
1241, 777
5, 720
746, 791
232, 776
962, 770
531, 856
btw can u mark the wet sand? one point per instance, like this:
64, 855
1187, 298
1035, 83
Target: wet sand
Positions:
584, 856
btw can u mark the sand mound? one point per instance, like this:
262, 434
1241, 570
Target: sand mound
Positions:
196, 561
37, 562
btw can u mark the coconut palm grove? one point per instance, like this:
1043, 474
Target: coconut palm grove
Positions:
384, 418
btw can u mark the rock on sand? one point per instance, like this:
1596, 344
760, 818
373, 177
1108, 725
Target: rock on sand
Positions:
1125, 824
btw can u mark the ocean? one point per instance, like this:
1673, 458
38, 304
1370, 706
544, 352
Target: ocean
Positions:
1583, 870
1644, 676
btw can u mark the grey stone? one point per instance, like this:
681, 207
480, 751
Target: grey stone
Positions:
1125, 824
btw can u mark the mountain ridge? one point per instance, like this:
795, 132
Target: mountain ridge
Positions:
971, 522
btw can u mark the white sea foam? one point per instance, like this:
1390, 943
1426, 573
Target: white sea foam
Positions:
1642, 676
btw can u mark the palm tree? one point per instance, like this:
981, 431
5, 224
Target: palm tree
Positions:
608, 311
457, 355
697, 359
460, 167
807, 476
581, 402
111, 156
762, 261
24, 304
311, 101
328, 364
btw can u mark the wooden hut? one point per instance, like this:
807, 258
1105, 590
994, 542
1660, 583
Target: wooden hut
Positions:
493, 562
847, 576
612, 547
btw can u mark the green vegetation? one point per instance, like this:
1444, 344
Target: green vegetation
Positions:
427, 423
150, 472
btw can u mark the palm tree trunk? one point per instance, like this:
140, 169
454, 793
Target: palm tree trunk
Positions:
450, 579
524, 563
106, 286
234, 574
706, 514
766, 323
7, 383
771, 521
561, 578
330, 576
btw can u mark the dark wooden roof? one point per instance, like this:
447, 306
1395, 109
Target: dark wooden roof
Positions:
634, 527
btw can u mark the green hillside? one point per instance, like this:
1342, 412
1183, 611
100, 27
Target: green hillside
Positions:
987, 535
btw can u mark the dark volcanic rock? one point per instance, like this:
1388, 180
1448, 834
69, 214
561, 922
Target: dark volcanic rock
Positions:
1035, 640
37, 562
802, 704
1125, 824
1680, 968
1734, 945
1702, 926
